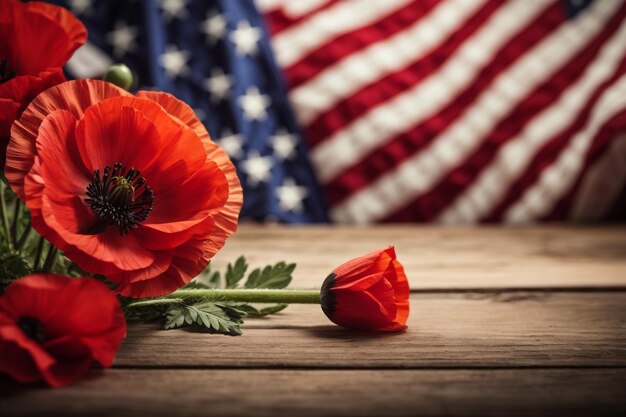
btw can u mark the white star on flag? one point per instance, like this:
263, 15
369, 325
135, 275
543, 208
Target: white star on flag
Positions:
81, 7
291, 196
174, 9
245, 38
254, 104
214, 27
122, 38
284, 144
174, 61
218, 84
257, 167
232, 144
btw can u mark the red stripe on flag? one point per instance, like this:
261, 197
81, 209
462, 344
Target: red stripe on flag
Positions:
347, 44
278, 19
601, 144
387, 157
549, 152
428, 205
348, 110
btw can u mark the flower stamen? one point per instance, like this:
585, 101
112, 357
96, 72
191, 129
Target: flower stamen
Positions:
31, 328
112, 198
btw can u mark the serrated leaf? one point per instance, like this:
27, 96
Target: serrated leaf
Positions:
272, 309
236, 272
214, 279
209, 316
277, 276
253, 312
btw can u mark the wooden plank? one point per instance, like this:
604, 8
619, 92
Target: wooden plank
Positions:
448, 258
445, 330
536, 392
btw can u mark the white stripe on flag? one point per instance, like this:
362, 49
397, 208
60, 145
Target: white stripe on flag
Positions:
364, 67
89, 62
420, 172
380, 124
294, 43
556, 180
512, 159
602, 184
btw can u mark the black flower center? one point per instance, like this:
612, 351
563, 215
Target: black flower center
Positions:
327, 296
119, 198
5, 71
32, 328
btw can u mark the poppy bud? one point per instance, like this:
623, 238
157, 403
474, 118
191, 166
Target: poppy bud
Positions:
368, 293
120, 75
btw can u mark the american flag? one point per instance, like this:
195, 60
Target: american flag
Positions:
215, 55
452, 111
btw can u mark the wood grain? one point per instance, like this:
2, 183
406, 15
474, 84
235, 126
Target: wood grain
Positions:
445, 330
530, 392
447, 258
477, 345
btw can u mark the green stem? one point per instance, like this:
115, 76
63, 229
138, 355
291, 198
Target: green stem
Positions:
238, 295
3, 213
38, 253
20, 243
17, 210
50, 259
250, 295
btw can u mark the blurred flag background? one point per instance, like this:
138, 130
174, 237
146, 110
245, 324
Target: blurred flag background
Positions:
362, 111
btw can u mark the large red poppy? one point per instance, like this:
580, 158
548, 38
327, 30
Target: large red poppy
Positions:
130, 187
370, 292
54, 327
36, 40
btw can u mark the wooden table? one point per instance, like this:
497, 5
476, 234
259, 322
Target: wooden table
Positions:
504, 321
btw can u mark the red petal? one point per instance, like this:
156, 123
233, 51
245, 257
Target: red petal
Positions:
81, 319
160, 265
73, 96
200, 191
402, 292
359, 310
164, 237
61, 166
110, 133
227, 216
178, 109
367, 264
46, 43
165, 283
75, 30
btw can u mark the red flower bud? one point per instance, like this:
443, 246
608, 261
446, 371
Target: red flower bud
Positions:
368, 293
54, 327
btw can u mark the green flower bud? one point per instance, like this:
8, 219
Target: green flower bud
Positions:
120, 75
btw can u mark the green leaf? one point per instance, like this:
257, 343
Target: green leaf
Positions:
253, 312
277, 276
272, 309
195, 284
206, 279
214, 279
209, 316
236, 272
12, 265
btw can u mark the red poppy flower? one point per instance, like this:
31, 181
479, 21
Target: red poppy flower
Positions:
369, 293
36, 40
128, 187
54, 327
